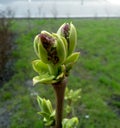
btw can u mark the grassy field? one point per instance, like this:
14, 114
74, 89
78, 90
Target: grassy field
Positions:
97, 73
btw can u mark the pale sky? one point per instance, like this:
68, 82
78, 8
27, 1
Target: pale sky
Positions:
111, 1
63, 8
114, 1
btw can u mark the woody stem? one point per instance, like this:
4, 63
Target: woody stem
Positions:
59, 89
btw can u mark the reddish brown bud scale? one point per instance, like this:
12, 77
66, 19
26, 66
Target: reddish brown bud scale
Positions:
46, 40
66, 30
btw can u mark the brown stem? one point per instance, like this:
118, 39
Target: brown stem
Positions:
59, 89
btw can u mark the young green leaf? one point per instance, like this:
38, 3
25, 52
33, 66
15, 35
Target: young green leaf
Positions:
44, 115
70, 123
72, 58
43, 78
40, 100
40, 66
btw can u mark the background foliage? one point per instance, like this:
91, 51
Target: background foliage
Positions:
97, 73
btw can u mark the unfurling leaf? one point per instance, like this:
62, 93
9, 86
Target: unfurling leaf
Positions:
43, 78
39, 66
72, 58
70, 123
47, 111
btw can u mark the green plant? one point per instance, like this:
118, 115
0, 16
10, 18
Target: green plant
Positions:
56, 58
47, 111
48, 114
71, 97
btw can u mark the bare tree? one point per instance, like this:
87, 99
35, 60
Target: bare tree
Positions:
29, 18
68, 14
10, 13
28, 13
54, 11
82, 2
6, 35
40, 10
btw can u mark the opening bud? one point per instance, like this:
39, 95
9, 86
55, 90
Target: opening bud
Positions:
68, 31
49, 48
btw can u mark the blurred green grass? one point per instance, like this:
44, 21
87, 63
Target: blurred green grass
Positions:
97, 73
